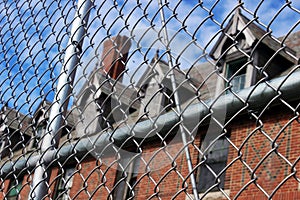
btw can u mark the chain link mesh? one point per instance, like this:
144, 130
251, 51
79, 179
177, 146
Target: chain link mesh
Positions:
149, 99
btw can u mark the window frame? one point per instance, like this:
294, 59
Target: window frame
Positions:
229, 72
4, 130
40, 130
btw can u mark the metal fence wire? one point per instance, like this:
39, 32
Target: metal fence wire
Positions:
149, 99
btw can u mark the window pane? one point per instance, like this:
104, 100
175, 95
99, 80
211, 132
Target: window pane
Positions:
238, 81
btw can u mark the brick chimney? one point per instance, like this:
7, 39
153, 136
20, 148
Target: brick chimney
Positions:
114, 56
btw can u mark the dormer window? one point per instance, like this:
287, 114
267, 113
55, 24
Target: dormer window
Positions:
236, 74
3, 135
243, 40
234, 65
15, 187
157, 89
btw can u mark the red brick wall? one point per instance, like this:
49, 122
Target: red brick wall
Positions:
151, 177
53, 180
4, 188
274, 169
24, 190
160, 176
93, 180
163, 168
256, 153
27, 181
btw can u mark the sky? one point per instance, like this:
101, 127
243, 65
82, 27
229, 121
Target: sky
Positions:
34, 35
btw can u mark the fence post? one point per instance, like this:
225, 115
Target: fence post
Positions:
58, 110
177, 103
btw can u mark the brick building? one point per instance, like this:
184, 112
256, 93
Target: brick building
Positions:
254, 154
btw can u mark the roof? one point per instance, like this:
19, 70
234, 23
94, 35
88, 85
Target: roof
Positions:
269, 41
159, 67
206, 75
259, 34
45, 108
258, 97
110, 87
16, 120
292, 41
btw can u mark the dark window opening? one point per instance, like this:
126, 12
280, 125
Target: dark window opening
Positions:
215, 160
125, 179
227, 46
3, 137
38, 135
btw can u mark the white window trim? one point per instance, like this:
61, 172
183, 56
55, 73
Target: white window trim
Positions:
220, 81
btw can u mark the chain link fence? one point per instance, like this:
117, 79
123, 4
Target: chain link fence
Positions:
149, 99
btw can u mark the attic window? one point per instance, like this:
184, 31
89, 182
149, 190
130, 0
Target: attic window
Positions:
228, 45
3, 134
236, 71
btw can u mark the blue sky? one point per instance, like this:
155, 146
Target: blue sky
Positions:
32, 41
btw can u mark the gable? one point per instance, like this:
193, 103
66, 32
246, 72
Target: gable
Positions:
235, 29
240, 26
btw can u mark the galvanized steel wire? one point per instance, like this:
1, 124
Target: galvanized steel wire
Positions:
65, 102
